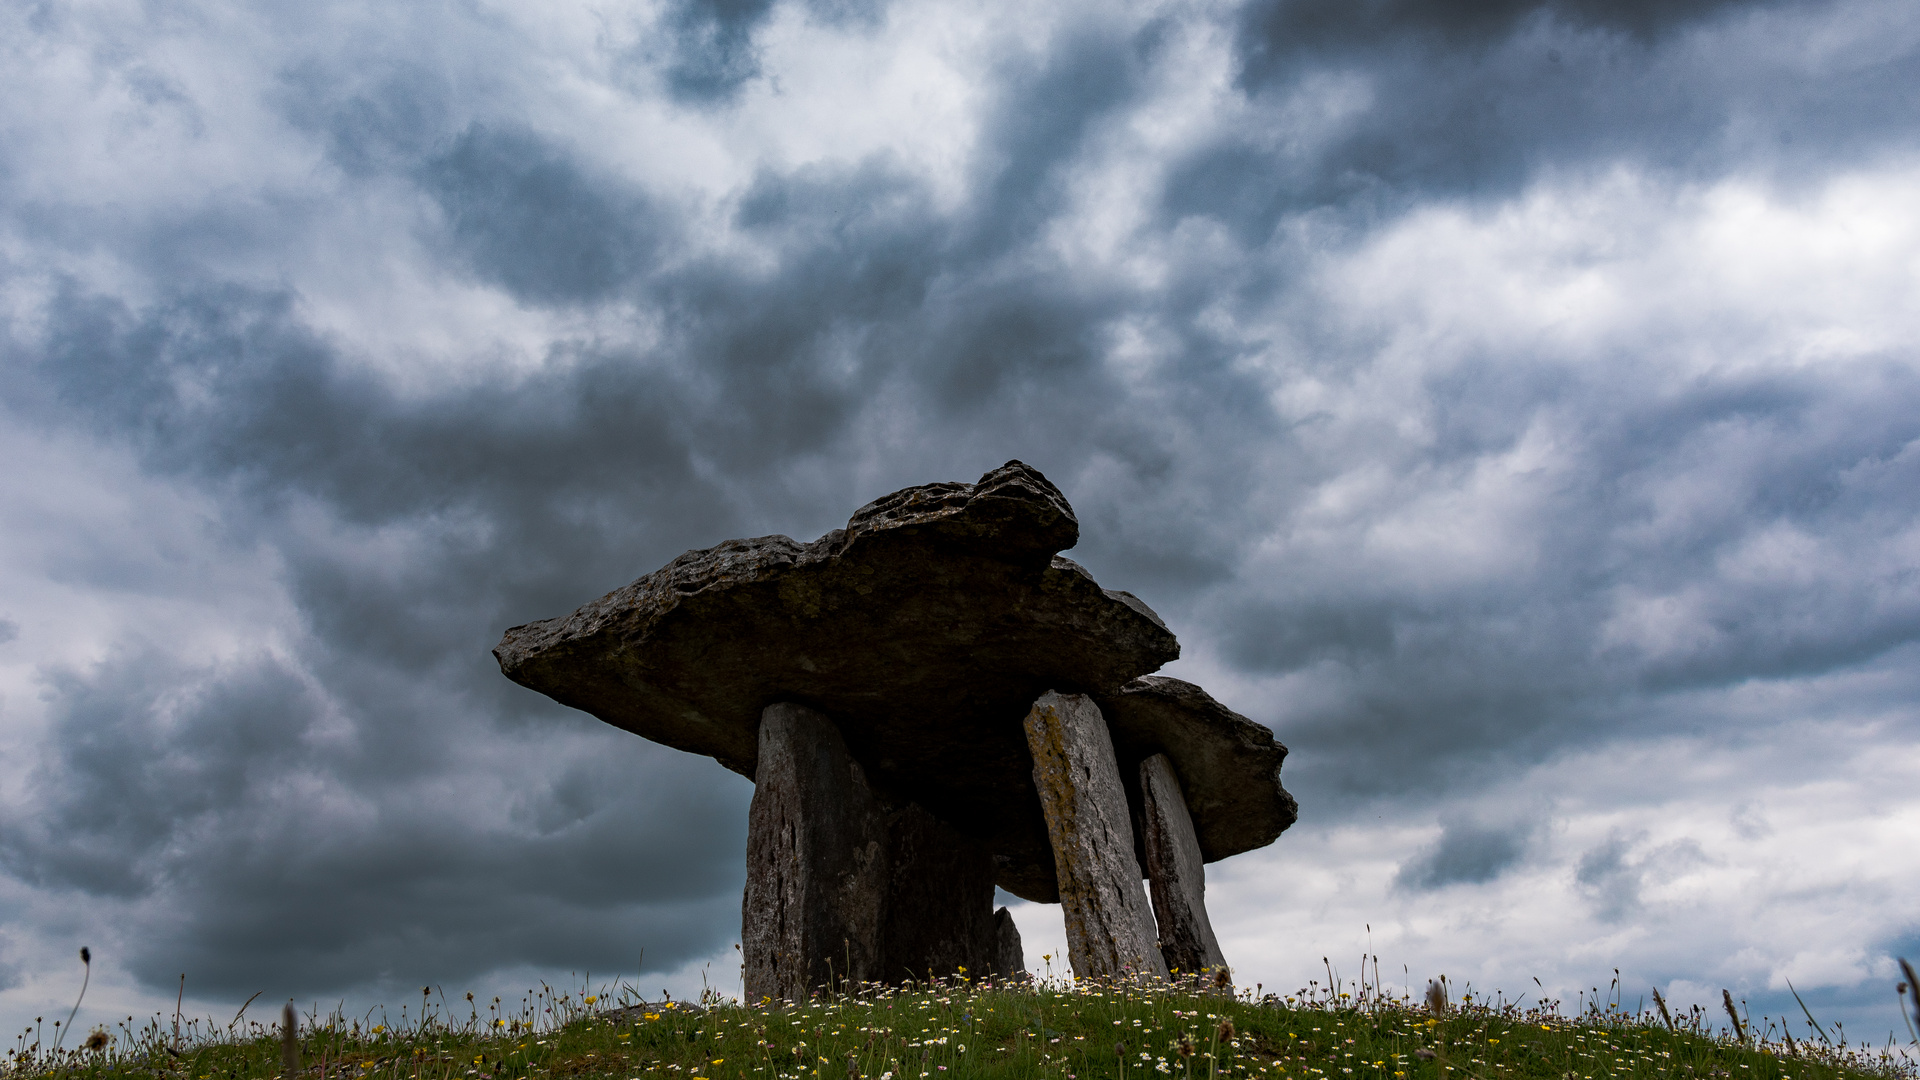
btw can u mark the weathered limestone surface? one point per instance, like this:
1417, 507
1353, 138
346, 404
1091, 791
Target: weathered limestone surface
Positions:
1176, 876
816, 868
925, 628
1110, 934
842, 885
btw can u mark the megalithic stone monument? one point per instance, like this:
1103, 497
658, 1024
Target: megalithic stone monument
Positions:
876, 684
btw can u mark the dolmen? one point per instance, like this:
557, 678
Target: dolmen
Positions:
932, 702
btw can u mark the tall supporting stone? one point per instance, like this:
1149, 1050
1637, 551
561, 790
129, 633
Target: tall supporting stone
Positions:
1175, 873
1110, 934
843, 885
816, 869
1009, 958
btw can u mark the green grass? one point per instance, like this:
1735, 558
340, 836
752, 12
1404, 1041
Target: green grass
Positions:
946, 1031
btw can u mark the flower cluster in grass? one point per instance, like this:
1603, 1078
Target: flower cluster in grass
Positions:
953, 1028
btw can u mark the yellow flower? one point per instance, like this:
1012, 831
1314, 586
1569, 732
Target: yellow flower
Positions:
717, 1061
591, 998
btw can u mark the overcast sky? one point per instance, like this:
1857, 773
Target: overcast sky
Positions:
1515, 405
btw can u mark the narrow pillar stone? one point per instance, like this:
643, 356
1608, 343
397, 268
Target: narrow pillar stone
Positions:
1009, 958
1176, 874
816, 867
1110, 934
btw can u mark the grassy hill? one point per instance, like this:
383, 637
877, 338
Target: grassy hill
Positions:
947, 1031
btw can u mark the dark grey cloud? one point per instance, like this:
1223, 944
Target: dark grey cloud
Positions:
1612, 873
522, 215
1273, 28
369, 126
706, 51
713, 50
1612, 884
279, 843
1467, 853
1444, 682
1468, 100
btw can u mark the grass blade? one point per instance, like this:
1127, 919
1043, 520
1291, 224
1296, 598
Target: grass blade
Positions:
1809, 1012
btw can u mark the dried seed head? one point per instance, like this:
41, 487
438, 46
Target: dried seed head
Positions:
289, 1040
1186, 1046
96, 1041
1226, 1029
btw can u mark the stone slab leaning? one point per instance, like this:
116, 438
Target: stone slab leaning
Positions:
1110, 934
1176, 874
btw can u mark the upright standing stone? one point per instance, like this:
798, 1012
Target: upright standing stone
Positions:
1009, 958
817, 875
1110, 935
1175, 873
844, 885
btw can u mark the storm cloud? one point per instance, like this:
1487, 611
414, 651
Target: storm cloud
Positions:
1515, 405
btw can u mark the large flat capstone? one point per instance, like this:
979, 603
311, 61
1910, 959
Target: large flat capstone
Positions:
926, 629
